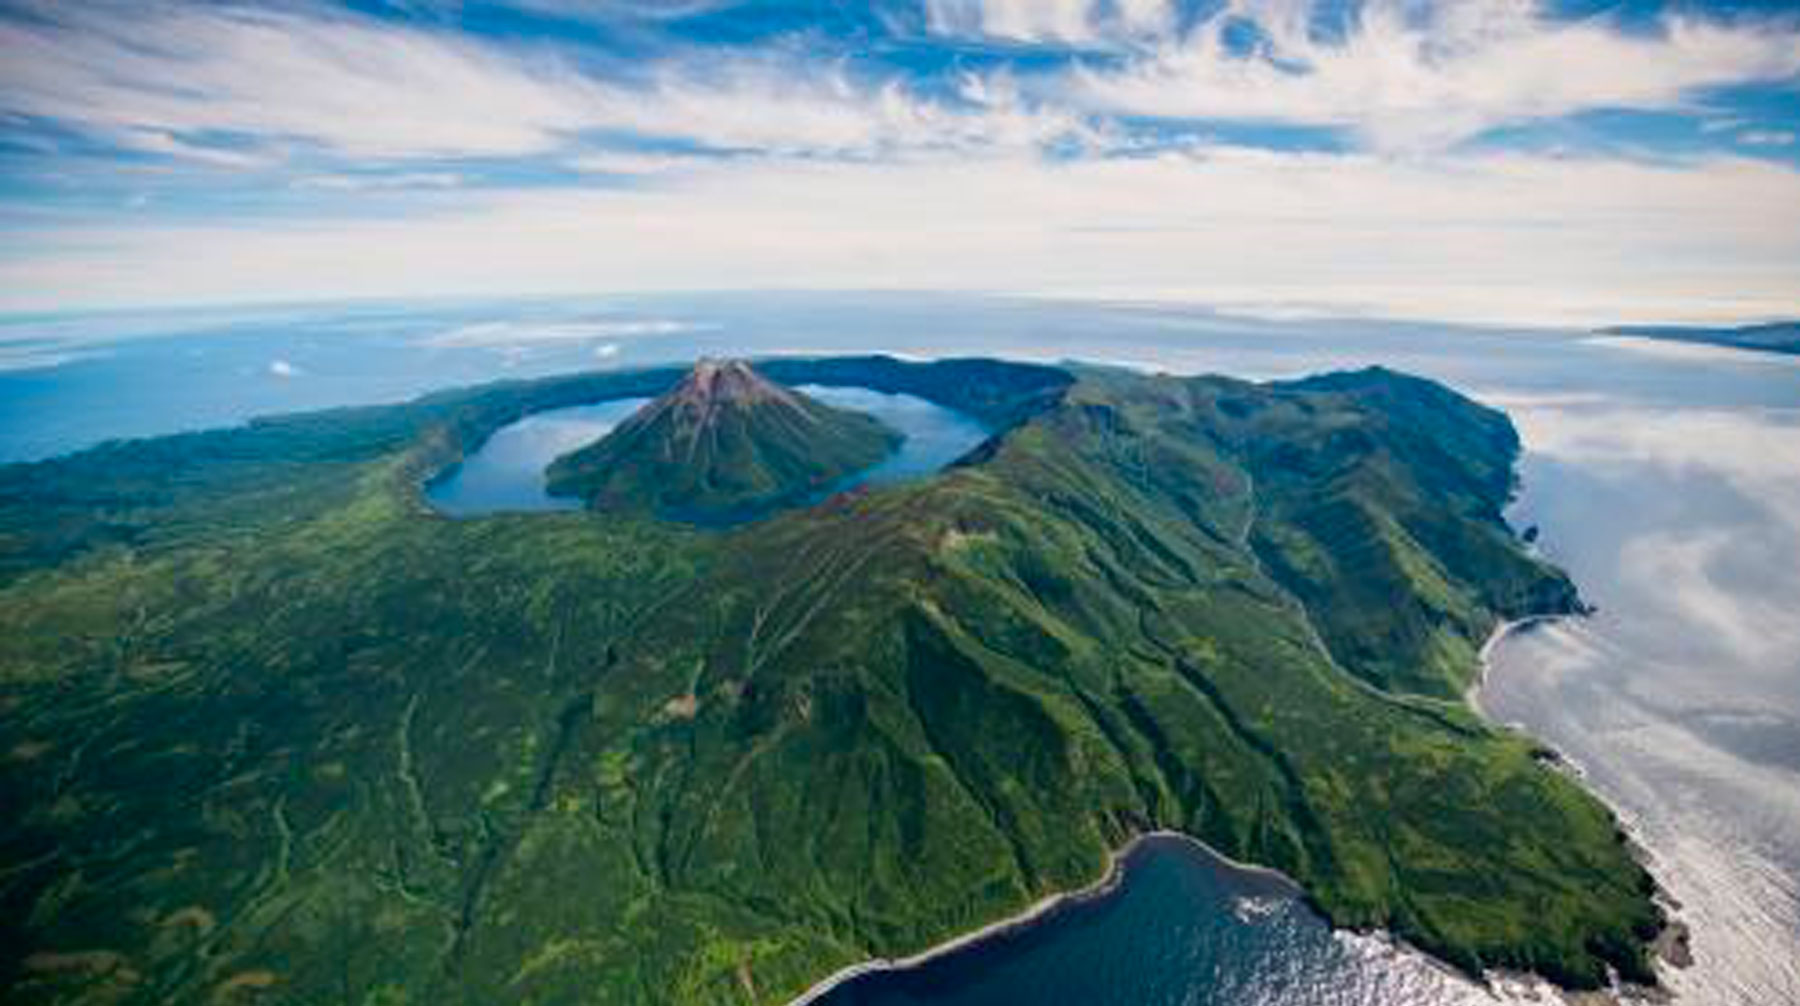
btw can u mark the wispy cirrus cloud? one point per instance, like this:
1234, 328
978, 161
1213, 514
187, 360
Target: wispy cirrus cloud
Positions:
1070, 22
245, 87
1408, 77
240, 87
160, 77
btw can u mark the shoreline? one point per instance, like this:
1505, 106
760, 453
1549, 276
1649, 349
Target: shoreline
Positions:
1037, 912
1484, 657
1672, 938
1671, 946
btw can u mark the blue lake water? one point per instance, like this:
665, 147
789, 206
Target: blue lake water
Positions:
935, 436
506, 473
1666, 479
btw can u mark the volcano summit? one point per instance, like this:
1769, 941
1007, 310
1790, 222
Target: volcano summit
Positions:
725, 441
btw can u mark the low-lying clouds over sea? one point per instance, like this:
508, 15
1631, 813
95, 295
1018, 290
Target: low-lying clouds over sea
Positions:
520, 333
1722, 491
1681, 697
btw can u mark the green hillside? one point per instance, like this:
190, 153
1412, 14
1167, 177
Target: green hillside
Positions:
275, 732
724, 443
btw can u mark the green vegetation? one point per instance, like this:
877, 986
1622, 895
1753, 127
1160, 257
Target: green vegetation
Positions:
276, 732
726, 444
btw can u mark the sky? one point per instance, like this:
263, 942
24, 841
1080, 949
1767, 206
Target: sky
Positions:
1500, 161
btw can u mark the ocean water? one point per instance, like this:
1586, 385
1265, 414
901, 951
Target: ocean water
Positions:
1185, 927
1666, 479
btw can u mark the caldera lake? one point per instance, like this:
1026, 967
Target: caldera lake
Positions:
505, 474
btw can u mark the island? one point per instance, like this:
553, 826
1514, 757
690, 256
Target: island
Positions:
276, 731
1769, 337
725, 444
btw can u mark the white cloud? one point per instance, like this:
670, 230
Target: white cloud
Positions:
628, 162
1693, 577
1750, 450
1145, 16
277, 82
1766, 138
1705, 556
283, 369
1106, 23
373, 182
1417, 77
147, 77
240, 88
38, 356
155, 141
1527, 239
512, 333
772, 107
1021, 20
618, 9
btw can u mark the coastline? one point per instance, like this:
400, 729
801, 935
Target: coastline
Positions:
1037, 912
1484, 656
1671, 946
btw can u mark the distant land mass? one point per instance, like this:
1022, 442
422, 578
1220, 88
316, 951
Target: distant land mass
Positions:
725, 442
277, 731
1772, 337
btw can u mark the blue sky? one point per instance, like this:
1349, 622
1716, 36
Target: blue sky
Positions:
1491, 161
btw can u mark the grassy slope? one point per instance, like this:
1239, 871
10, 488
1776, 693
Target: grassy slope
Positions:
300, 736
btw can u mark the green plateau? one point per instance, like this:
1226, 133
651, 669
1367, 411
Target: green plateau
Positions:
724, 443
275, 731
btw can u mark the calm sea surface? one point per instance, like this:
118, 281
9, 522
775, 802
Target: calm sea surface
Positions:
1666, 479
